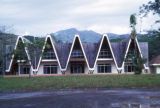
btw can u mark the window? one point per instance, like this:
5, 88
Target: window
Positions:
104, 68
130, 53
25, 69
77, 54
49, 54
105, 53
128, 67
50, 69
77, 68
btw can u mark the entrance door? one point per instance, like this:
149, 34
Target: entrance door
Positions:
25, 69
77, 68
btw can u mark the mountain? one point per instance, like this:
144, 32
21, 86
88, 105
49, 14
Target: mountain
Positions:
85, 35
68, 35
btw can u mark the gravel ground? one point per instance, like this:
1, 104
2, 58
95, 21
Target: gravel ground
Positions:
89, 98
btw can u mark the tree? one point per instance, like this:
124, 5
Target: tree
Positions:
6, 29
34, 49
5, 33
151, 6
135, 57
20, 55
153, 36
133, 23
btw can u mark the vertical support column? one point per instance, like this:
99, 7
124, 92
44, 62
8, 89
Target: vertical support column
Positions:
30, 72
19, 68
90, 71
63, 72
35, 72
119, 71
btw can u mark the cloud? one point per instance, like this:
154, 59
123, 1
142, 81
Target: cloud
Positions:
39, 17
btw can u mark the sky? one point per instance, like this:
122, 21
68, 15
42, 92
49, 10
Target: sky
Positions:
41, 17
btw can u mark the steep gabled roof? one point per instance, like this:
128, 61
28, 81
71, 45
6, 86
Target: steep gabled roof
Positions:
54, 49
140, 49
110, 47
63, 50
119, 49
35, 51
20, 38
91, 50
143, 46
9, 51
85, 57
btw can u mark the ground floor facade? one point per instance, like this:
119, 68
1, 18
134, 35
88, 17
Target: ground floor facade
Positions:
74, 67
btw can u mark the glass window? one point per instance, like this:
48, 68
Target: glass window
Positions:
128, 67
105, 53
130, 53
25, 69
77, 68
49, 54
77, 54
104, 68
50, 69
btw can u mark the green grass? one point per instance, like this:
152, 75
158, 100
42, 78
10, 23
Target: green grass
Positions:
69, 82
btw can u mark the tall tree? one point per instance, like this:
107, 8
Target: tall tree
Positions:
135, 57
153, 7
4, 37
153, 35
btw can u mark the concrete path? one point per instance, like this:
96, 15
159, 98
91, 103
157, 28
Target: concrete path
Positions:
89, 98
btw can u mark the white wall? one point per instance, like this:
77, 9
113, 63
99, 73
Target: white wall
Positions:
158, 70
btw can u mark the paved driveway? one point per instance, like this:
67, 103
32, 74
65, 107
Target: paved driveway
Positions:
92, 98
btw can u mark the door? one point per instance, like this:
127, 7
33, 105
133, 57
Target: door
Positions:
77, 68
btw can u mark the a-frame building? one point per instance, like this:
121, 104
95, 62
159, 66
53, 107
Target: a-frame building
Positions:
77, 61
133, 50
20, 63
105, 60
77, 57
49, 61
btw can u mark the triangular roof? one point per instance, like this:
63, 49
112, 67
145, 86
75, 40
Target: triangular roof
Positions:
73, 43
54, 49
110, 47
139, 49
20, 38
63, 50
119, 49
35, 51
91, 50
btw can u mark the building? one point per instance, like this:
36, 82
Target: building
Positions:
103, 57
155, 65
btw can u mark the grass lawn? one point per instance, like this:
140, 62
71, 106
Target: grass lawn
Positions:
79, 81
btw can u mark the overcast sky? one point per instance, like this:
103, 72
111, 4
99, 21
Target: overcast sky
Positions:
39, 17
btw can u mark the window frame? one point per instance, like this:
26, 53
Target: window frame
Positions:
129, 67
105, 53
78, 67
77, 54
104, 68
50, 69
49, 54
25, 69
